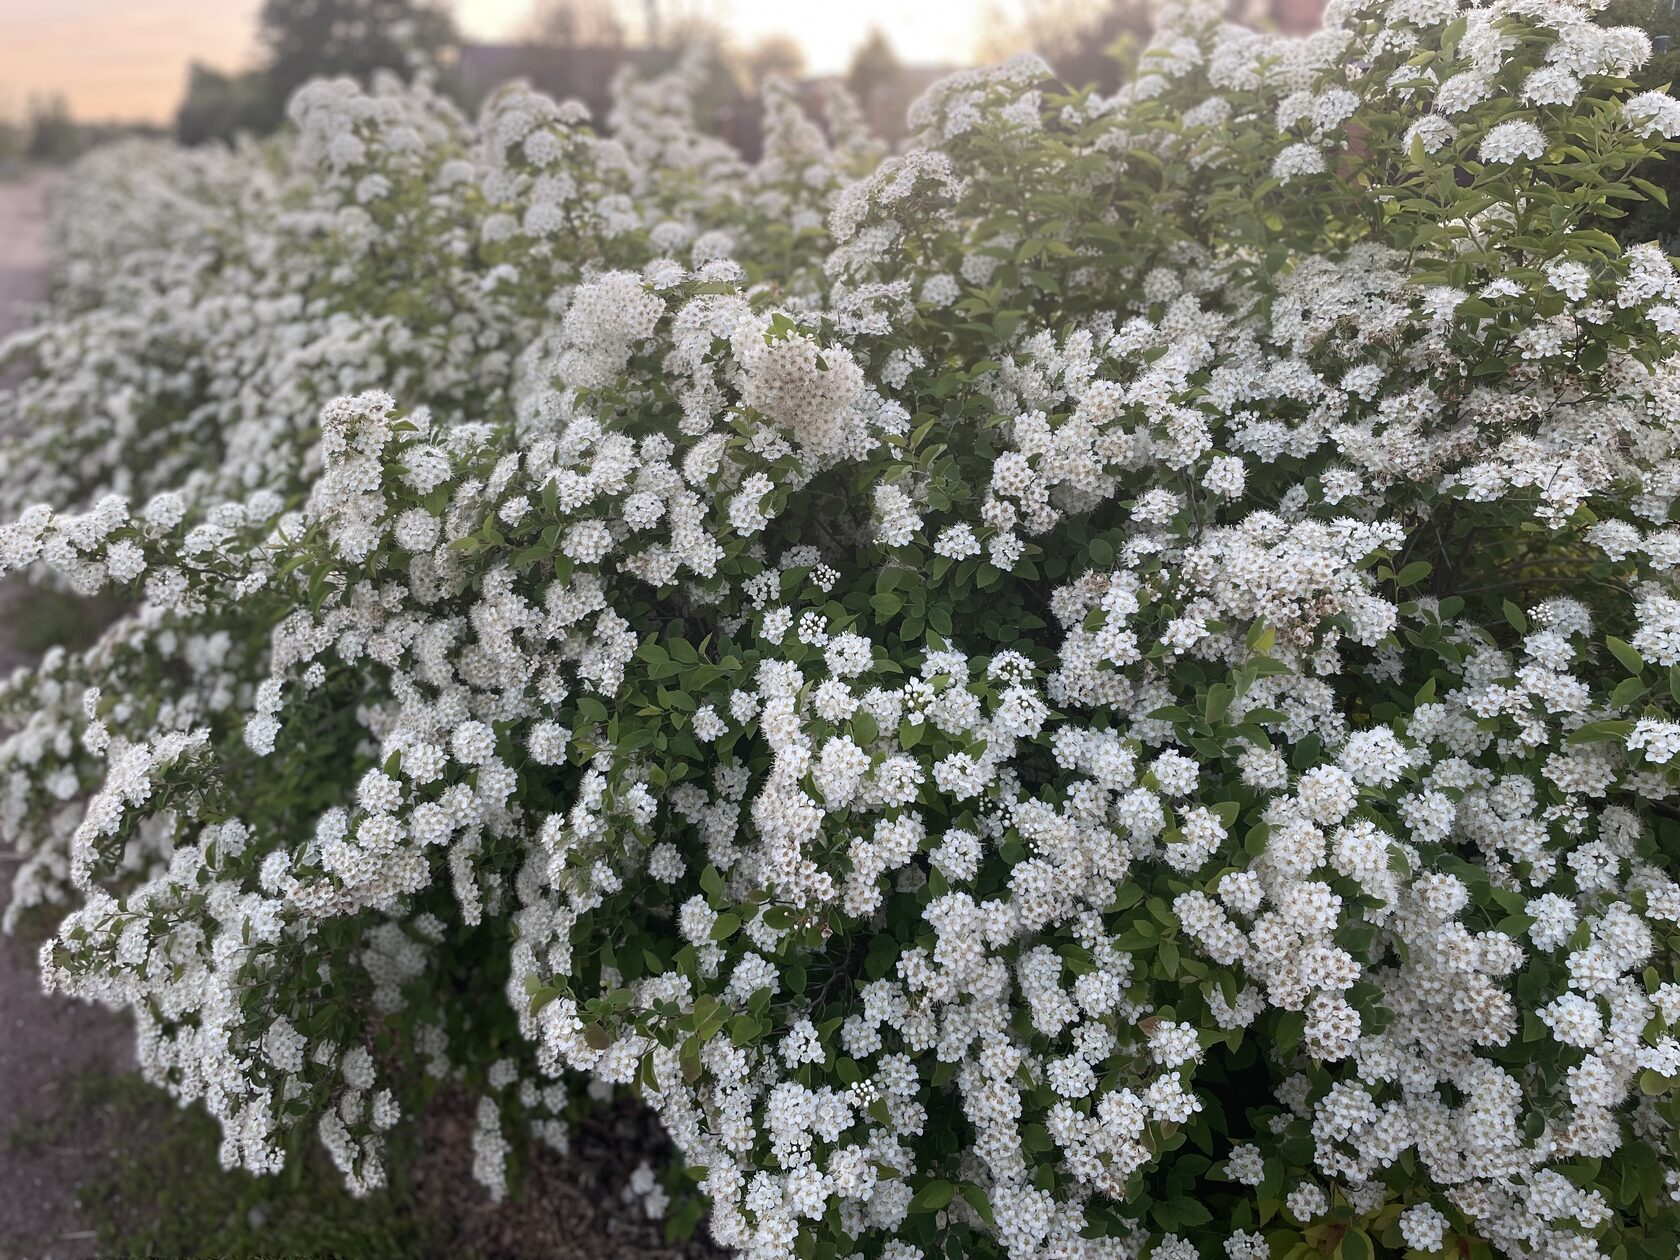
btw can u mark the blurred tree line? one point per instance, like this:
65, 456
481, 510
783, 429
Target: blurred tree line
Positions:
46, 132
1087, 40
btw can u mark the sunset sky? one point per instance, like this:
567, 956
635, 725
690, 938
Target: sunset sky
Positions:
128, 58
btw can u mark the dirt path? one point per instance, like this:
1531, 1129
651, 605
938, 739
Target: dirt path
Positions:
23, 282
44, 1042
23, 245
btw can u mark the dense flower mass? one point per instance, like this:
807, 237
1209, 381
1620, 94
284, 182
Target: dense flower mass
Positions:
1104, 685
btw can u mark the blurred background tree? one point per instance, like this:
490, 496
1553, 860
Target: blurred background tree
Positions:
219, 105
304, 39
578, 24
52, 134
12, 141
774, 56
875, 71
307, 39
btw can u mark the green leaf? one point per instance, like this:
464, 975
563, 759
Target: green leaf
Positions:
1626, 653
1515, 616
726, 926
979, 1202
743, 1029
530, 555
932, 1197
690, 1060
1599, 732
1355, 1245
1627, 691
1413, 573
1191, 1212
1450, 37
1219, 700
1655, 191
711, 883
1169, 958
886, 603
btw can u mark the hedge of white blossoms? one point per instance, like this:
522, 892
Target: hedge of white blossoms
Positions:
1106, 685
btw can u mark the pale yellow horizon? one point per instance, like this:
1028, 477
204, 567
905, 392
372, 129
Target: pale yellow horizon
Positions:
127, 60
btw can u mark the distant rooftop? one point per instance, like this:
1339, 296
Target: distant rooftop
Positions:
584, 73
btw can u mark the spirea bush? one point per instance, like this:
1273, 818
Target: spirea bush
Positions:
1104, 685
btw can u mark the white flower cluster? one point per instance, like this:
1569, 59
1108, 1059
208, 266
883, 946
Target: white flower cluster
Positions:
1103, 686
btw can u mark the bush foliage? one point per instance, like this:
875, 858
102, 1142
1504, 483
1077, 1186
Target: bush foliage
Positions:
1106, 684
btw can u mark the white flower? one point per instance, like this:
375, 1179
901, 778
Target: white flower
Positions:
1653, 113
1423, 1228
473, 743
1550, 85
1297, 160
1512, 140
898, 660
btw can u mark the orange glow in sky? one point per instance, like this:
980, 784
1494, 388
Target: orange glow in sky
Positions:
127, 59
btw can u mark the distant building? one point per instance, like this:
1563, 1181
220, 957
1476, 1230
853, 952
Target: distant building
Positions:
586, 74
886, 104
1296, 17
563, 73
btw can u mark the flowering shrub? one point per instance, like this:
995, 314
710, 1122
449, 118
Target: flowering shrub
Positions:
1105, 685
